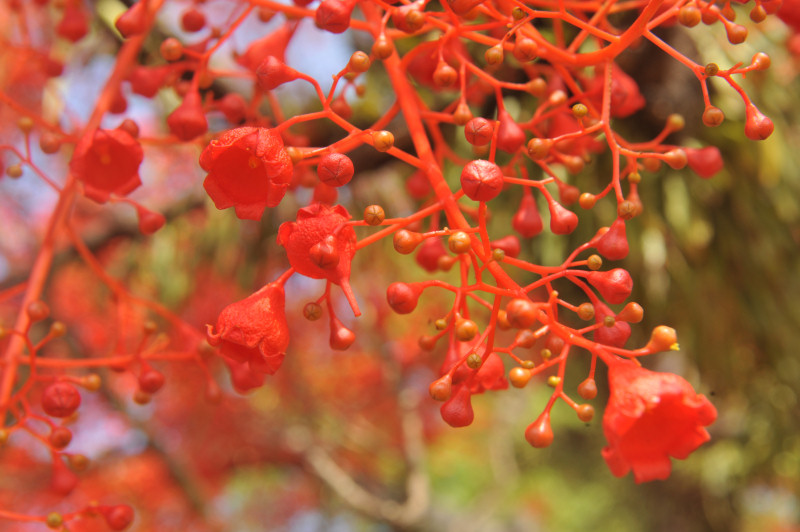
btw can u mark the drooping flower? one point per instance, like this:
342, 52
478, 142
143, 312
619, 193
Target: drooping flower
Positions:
649, 418
254, 330
319, 245
248, 169
107, 162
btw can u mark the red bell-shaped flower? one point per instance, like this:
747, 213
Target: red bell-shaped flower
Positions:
649, 418
320, 234
107, 162
248, 169
254, 330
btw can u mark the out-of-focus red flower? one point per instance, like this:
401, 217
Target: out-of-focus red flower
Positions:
254, 330
107, 162
649, 418
248, 169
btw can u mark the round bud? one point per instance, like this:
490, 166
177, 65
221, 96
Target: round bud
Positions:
482, 180
193, 20
553, 381
676, 122
474, 361
462, 115
325, 253
518, 13
25, 124
60, 399
588, 389
92, 382
406, 241
586, 311
466, 330
494, 55
478, 131
579, 110
151, 380
525, 338
118, 517
60, 437
54, 520
427, 343
312, 311
585, 412
359, 62
374, 215
711, 70
382, 140
539, 148
758, 13
14, 171
38, 310
539, 433
689, 16
525, 50
713, 116
594, 262
444, 75
403, 297
459, 242
335, 169
761, 61
171, 49
140, 397
519, 377
632, 313
502, 320
441, 388
383, 48
587, 200
521, 313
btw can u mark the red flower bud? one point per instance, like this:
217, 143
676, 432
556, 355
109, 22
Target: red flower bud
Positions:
146, 81
429, 253
540, 433
272, 73
613, 244
335, 169
334, 15
481, 180
74, 24
117, 517
314, 224
478, 131
274, 44
527, 221
509, 244
510, 137
562, 220
254, 330
248, 169
60, 399
649, 418
757, 126
457, 411
614, 285
188, 120
704, 161
616, 335
107, 162
132, 22
403, 297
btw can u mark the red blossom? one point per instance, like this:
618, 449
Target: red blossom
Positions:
319, 245
254, 330
107, 162
649, 417
248, 169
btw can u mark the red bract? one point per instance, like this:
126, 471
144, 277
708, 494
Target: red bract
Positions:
430, 251
617, 335
315, 225
626, 98
649, 418
248, 169
334, 15
254, 330
457, 411
107, 162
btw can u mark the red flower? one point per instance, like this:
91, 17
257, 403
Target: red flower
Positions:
248, 169
649, 417
320, 245
254, 330
107, 162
